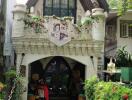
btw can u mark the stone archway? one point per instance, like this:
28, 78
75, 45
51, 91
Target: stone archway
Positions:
58, 74
90, 69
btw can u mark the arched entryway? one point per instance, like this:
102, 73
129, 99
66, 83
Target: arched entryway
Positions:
63, 76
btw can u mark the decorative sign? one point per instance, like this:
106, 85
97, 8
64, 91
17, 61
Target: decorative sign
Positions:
59, 34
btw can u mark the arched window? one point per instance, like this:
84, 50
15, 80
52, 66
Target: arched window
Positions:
60, 8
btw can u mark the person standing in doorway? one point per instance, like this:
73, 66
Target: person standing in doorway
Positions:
43, 92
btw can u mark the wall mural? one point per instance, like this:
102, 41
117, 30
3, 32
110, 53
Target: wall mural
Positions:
59, 33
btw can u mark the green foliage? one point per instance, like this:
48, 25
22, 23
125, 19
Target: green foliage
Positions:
129, 4
89, 20
19, 87
123, 58
90, 88
34, 22
12, 77
112, 4
121, 5
10, 74
111, 91
100, 90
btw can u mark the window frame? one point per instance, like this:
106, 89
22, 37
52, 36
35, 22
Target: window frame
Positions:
125, 24
60, 14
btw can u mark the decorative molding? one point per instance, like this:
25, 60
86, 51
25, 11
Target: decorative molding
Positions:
43, 46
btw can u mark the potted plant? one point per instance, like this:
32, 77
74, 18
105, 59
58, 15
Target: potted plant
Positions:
124, 60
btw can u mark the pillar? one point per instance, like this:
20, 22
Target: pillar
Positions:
25, 83
98, 27
18, 23
22, 70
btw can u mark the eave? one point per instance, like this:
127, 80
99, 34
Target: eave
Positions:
88, 5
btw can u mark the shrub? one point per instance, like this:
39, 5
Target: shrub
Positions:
100, 90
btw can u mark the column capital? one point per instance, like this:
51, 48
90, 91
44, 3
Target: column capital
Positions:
98, 12
19, 8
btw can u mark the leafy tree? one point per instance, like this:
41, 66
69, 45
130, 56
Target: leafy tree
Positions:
121, 5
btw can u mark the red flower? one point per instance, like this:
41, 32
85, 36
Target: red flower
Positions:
125, 96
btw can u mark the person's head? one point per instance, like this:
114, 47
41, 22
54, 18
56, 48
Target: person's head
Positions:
42, 81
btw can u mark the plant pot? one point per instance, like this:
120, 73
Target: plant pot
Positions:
126, 73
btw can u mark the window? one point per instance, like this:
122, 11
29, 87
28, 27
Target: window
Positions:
60, 8
125, 28
110, 29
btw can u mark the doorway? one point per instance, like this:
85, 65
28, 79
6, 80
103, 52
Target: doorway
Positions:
58, 74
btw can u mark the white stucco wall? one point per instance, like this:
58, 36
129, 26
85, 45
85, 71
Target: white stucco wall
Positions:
124, 41
69, 51
29, 58
91, 66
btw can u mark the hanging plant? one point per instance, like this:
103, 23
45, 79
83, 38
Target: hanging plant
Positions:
85, 24
34, 22
89, 20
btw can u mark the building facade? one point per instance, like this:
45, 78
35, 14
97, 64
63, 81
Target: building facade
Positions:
8, 50
61, 41
118, 32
